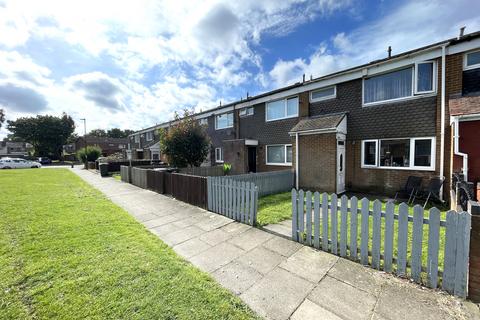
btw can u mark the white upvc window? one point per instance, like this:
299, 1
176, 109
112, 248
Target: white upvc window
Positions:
323, 94
203, 121
399, 153
282, 109
219, 155
279, 155
400, 84
137, 138
246, 112
149, 136
223, 121
471, 60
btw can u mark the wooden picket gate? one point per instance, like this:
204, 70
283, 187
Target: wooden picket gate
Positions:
237, 200
347, 226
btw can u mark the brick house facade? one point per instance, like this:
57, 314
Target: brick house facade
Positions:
378, 129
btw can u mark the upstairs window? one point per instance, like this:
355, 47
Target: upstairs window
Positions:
282, 109
224, 121
246, 112
472, 60
203, 121
137, 138
149, 136
323, 94
400, 84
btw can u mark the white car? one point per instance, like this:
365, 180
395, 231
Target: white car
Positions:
18, 163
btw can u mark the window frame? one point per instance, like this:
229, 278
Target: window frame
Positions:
224, 114
218, 151
434, 77
203, 121
465, 61
285, 106
285, 164
326, 97
149, 135
136, 138
411, 156
247, 113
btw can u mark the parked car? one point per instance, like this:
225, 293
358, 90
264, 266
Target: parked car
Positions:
44, 160
18, 163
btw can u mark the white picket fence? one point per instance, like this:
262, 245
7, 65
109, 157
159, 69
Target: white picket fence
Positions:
346, 226
237, 200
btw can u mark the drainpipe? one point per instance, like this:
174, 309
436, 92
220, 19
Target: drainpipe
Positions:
296, 160
442, 121
456, 146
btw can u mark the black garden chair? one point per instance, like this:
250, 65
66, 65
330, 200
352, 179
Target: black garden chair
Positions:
412, 186
432, 191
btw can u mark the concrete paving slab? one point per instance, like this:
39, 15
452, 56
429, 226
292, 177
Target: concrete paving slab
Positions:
234, 229
164, 229
215, 237
277, 295
261, 259
250, 239
359, 276
213, 221
312, 311
237, 277
342, 299
279, 229
145, 217
310, 264
400, 299
282, 246
216, 257
182, 235
191, 247
158, 221
187, 222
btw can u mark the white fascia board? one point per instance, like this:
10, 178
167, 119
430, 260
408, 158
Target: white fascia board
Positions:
250, 142
313, 131
464, 46
213, 112
342, 126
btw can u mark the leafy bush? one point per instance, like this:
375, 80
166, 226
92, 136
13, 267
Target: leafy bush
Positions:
227, 167
91, 153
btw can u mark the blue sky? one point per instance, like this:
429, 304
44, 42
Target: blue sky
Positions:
131, 64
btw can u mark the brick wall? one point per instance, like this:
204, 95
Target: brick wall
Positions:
235, 153
317, 162
217, 136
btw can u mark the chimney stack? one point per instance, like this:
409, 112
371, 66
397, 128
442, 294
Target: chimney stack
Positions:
389, 52
304, 77
462, 32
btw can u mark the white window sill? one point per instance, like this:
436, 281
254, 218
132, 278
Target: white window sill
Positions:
284, 118
475, 66
224, 128
279, 164
218, 161
419, 96
399, 168
322, 99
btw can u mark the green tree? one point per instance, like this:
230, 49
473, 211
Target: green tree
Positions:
2, 117
98, 133
186, 143
92, 153
118, 133
46, 133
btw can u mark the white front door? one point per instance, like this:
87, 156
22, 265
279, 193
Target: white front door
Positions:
340, 166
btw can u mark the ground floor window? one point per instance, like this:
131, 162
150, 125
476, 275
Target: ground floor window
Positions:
407, 153
280, 154
218, 155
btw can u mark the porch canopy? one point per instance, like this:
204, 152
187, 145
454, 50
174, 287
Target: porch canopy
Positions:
328, 123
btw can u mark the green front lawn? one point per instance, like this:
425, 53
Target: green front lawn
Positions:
67, 252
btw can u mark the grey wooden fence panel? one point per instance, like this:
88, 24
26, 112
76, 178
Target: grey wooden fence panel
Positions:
417, 239
125, 173
402, 239
324, 221
209, 194
309, 217
239, 201
457, 236
214, 171
463, 246
253, 202
376, 234
334, 227
353, 228
300, 215
364, 231
139, 177
316, 219
294, 215
268, 182
433, 244
388, 246
448, 281
343, 225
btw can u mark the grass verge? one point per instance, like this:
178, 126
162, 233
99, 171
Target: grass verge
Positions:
66, 252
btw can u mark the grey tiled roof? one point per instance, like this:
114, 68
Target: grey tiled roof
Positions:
328, 121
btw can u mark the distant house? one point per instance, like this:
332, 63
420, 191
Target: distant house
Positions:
15, 149
108, 145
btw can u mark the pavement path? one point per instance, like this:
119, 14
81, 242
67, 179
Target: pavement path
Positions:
278, 278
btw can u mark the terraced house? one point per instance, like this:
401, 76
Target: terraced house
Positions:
366, 128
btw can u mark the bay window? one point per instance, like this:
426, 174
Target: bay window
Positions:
400, 84
280, 154
282, 109
223, 121
408, 153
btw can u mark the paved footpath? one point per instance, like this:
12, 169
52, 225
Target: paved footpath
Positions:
278, 278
